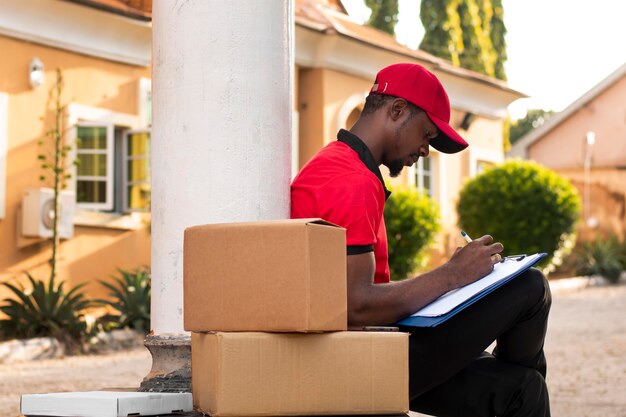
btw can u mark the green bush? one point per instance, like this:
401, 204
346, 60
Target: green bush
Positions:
601, 257
45, 310
526, 207
412, 221
130, 296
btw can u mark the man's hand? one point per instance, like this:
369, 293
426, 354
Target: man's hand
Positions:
372, 304
475, 260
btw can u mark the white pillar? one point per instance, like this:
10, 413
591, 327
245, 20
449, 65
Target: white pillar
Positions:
221, 136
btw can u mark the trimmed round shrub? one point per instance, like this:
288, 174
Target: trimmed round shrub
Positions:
523, 205
412, 221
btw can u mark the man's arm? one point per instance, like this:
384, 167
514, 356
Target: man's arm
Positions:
372, 304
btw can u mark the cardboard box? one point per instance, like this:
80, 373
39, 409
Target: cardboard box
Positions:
274, 276
104, 403
261, 374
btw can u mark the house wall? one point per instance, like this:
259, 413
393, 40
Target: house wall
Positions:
606, 202
563, 149
564, 146
94, 252
309, 102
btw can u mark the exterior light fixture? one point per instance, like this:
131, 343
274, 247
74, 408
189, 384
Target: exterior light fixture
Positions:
468, 119
36, 74
590, 140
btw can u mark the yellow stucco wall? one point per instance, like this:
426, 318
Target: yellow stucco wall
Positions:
93, 253
309, 102
321, 95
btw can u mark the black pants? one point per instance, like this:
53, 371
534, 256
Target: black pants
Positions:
452, 375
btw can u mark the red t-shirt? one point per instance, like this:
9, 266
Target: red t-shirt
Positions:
337, 185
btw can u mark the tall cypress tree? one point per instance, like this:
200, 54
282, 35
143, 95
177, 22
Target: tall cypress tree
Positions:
441, 26
497, 33
384, 15
469, 33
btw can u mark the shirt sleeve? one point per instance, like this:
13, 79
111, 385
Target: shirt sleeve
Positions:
354, 202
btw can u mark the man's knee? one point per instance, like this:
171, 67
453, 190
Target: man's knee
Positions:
532, 399
537, 287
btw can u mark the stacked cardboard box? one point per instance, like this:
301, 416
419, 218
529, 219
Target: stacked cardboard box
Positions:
266, 305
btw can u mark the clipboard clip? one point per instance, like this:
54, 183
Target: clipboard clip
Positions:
514, 258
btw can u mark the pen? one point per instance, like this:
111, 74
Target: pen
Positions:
465, 236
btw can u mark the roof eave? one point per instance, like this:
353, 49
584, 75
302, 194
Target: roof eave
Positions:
332, 25
126, 12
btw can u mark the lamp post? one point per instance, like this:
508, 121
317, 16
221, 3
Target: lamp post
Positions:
590, 140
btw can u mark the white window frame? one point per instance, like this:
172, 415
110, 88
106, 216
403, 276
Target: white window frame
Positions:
125, 158
420, 173
110, 175
4, 128
416, 175
81, 114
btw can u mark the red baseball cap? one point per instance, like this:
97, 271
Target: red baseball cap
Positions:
419, 86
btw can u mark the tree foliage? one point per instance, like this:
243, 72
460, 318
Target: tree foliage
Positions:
497, 34
533, 119
384, 15
468, 33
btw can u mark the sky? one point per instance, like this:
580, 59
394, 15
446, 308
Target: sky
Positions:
557, 49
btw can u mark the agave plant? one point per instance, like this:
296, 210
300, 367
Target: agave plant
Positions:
45, 309
130, 296
601, 257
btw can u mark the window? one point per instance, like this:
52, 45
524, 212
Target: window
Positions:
94, 173
424, 176
136, 164
113, 172
481, 166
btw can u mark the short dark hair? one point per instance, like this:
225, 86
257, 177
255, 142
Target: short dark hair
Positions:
374, 102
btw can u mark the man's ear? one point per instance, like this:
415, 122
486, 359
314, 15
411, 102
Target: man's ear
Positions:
398, 106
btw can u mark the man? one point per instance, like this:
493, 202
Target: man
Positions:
407, 111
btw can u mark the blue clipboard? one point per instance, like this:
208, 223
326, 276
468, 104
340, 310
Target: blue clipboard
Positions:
432, 320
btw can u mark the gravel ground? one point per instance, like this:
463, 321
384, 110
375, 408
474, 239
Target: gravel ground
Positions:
586, 350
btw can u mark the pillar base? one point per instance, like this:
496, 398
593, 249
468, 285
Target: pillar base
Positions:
171, 364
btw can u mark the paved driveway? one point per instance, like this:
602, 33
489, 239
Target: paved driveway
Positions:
586, 349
